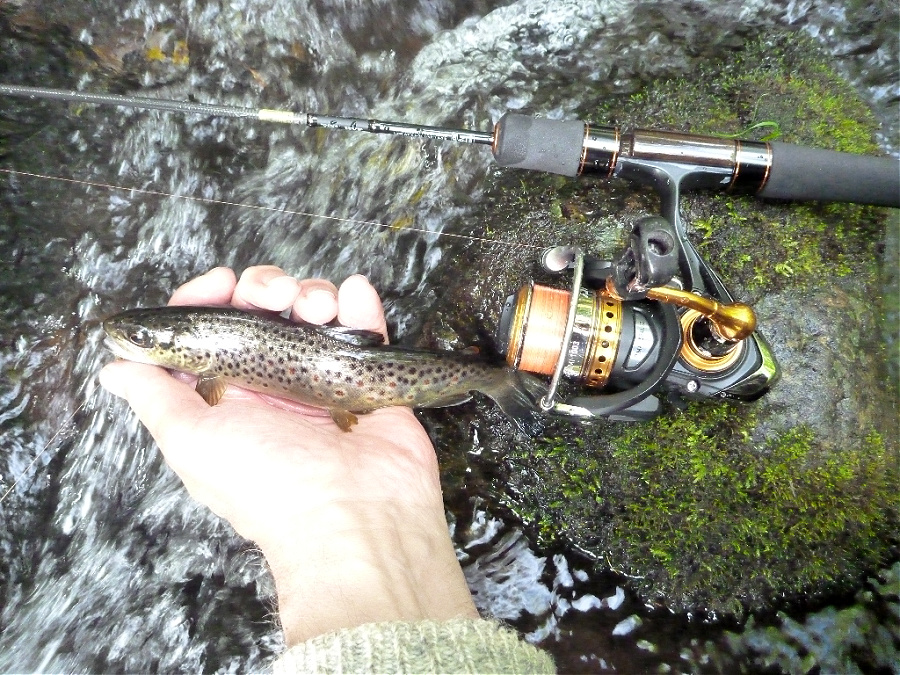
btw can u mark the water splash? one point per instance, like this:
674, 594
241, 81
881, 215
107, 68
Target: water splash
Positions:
101, 540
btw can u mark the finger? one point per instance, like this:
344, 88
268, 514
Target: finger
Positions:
360, 307
317, 302
265, 287
213, 288
166, 406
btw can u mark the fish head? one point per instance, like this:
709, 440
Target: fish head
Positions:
158, 337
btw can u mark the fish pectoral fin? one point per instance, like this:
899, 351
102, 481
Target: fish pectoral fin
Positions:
446, 401
211, 388
343, 418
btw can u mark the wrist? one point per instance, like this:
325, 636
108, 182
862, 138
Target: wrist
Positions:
390, 563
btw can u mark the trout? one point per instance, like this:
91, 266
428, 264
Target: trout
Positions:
344, 370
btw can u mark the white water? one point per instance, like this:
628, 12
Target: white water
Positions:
112, 567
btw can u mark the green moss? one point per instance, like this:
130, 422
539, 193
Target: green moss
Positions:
778, 83
765, 247
692, 503
708, 504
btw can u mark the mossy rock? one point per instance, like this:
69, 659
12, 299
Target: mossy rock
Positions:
718, 506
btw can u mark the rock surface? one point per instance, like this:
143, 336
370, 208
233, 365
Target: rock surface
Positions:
798, 486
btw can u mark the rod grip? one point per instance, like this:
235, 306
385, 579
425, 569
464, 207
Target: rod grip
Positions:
802, 173
524, 142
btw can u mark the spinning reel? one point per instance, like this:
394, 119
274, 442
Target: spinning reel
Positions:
656, 322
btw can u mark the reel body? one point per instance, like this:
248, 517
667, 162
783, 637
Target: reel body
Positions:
658, 322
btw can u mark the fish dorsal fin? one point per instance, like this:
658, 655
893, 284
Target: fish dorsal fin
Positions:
354, 336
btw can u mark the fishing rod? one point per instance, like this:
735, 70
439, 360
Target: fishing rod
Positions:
769, 169
658, 321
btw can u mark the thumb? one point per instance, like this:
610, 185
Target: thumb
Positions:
165, 405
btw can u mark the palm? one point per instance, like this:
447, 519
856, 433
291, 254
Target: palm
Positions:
244, 457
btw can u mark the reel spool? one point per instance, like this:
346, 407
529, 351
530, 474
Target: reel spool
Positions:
612, 342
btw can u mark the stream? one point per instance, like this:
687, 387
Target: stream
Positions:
107, 564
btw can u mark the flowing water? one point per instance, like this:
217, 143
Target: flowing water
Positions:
107, 564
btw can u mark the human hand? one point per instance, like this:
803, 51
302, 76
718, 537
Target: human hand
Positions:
352, 525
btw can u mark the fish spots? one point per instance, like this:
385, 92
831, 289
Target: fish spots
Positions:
307, 365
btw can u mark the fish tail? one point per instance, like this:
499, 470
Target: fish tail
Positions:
518, 395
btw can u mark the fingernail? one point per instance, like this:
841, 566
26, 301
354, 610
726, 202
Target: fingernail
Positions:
320, 295
280, 280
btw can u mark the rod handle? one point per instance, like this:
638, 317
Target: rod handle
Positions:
525, 142
807, 174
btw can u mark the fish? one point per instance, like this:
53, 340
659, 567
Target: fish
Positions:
344, 370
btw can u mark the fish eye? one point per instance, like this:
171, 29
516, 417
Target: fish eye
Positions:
140, 337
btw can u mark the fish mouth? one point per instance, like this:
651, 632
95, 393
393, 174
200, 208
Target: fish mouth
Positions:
115, 347
123, 351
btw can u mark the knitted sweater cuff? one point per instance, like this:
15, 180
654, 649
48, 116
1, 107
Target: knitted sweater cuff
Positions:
458, 645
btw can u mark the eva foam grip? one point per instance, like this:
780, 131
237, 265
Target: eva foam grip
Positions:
802, 173
524, 142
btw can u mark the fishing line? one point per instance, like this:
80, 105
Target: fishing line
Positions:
207, 200
43, 450
290, 212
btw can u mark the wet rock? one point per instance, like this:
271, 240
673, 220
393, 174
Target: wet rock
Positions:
833, 367
796, 487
